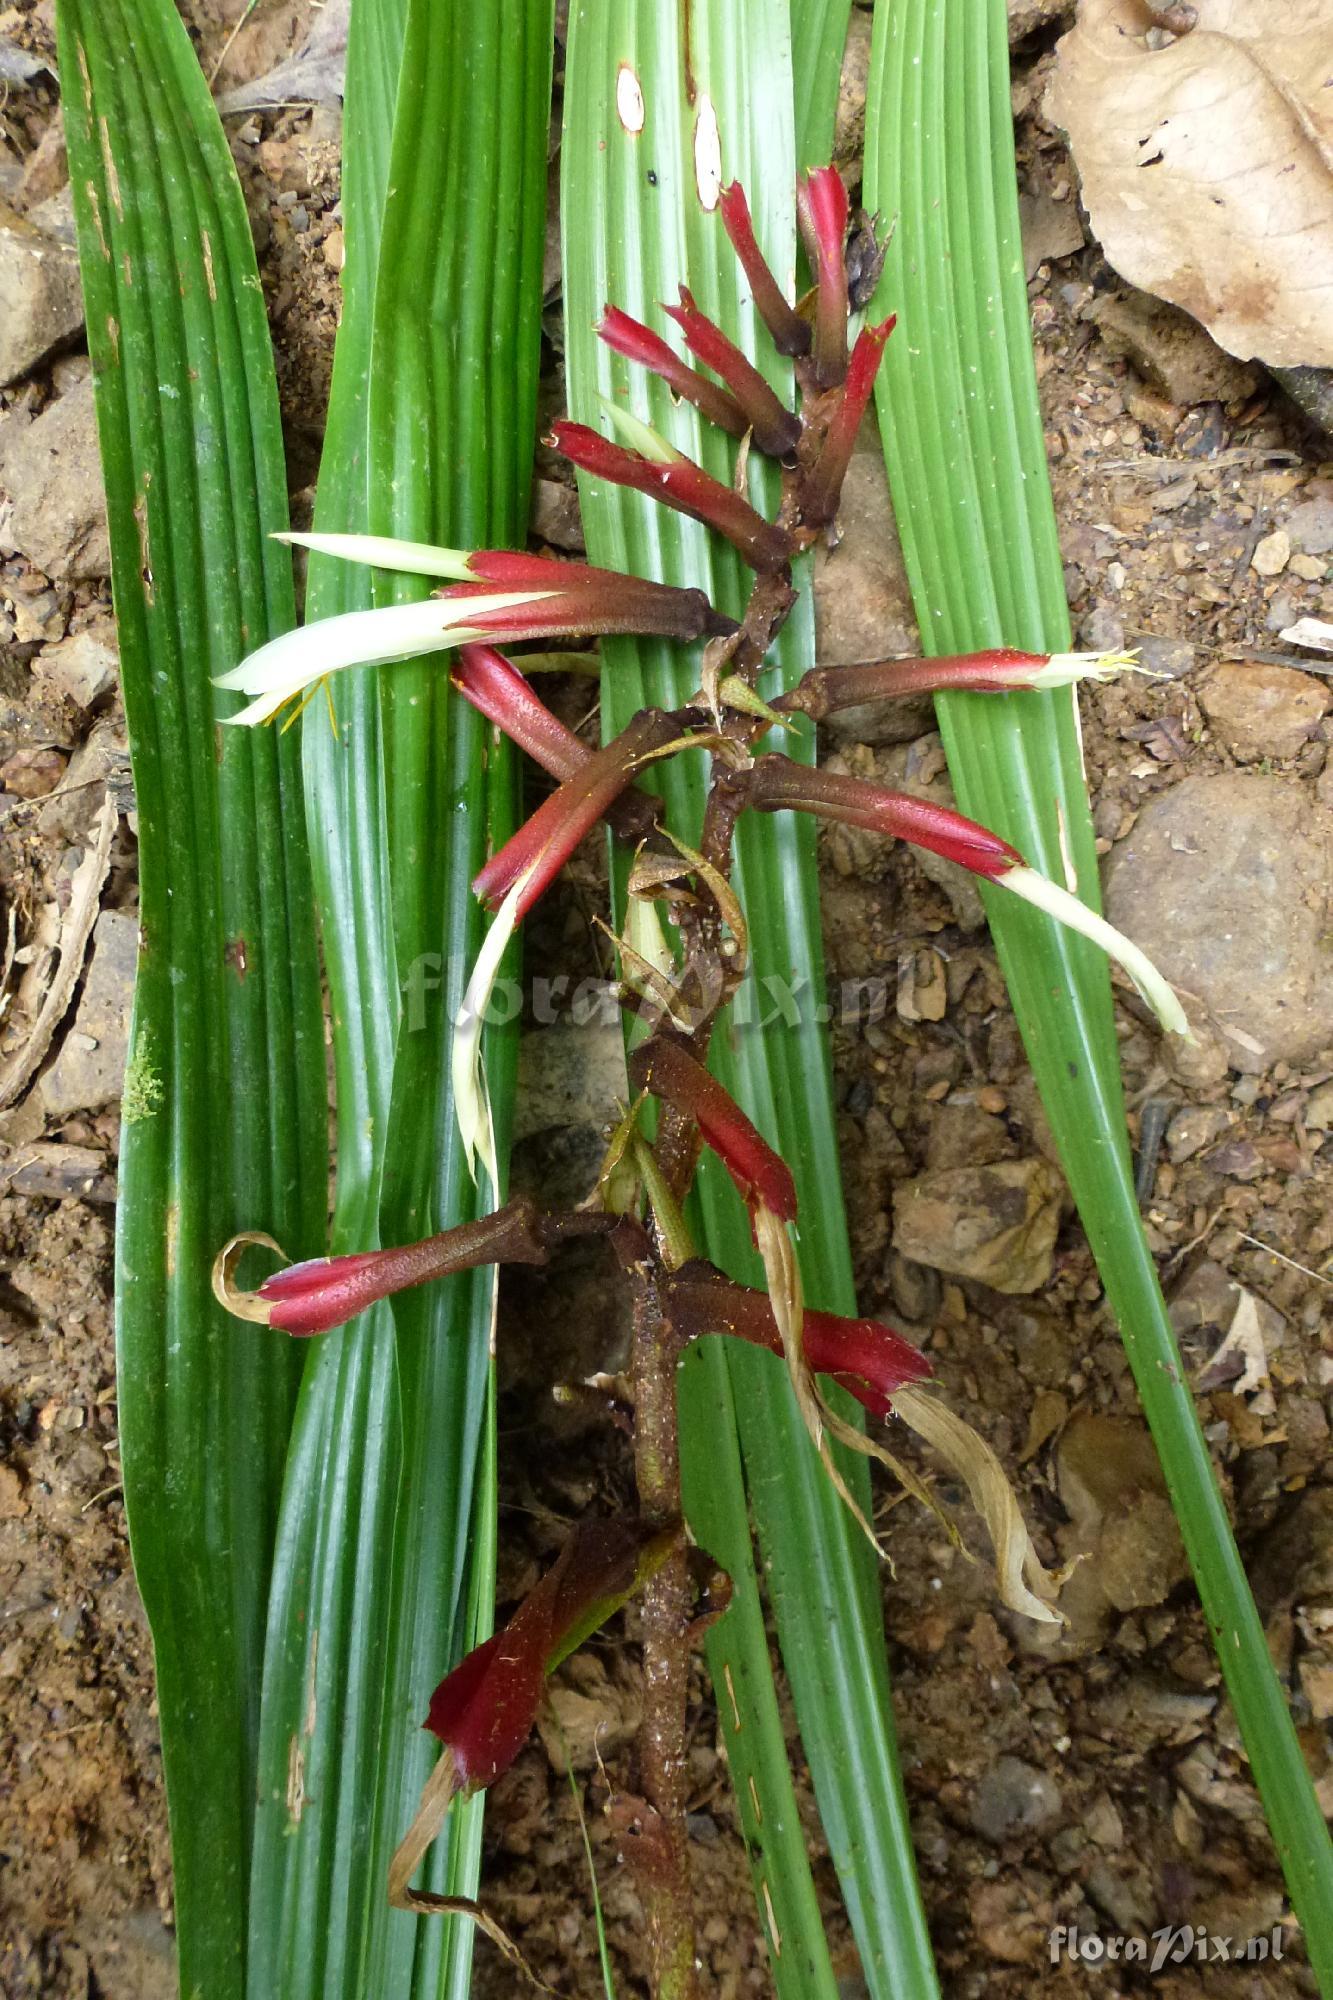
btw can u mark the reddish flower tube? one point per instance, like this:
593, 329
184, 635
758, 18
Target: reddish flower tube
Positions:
779, 784
545, 841
680, 484
822, 206
663, 1067
821, 491
864, 1356
790, 333
639, 343
776, 429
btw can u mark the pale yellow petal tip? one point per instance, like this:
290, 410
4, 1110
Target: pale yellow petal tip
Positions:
229, 1295
1064, 669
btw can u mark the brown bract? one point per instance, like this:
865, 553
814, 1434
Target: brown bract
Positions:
1207, 164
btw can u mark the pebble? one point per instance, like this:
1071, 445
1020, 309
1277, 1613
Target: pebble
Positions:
40, 301
1310, 569
996, 1224
1194, 1128
1173, 657
53, 475
1310, 527
82, 668
1226, 883
88, 1071
1014, 1797
1272, 554
1262, 711
863, 607
1170, 350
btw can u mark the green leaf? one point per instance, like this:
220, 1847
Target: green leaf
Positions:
224, 1105
634, 227
964, 447
385, 1572
818, 38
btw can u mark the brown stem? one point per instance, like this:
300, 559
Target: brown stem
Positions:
656, 1842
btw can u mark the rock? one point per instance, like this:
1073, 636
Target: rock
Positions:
82, 668
102, 761
90, 1067
570, 1074
1170, 350
32, 773
1194, 1128
963, 1135
1027, 16
1225, 882
1110, 1481
863, 608
40, 301
1172, 657
1207, 1298
1014, 1797
1051, 230
1272, 554
849, 126
1310, 569
1262, 711
1319, 1110
53, 476
1310, 527
554, 516
994, 1223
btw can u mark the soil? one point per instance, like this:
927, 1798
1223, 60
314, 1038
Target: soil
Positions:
1098, 1781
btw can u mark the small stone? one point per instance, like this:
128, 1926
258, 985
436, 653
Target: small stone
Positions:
963, 1135
53, 475
90, 1067
1103, 1822
32, 773
1319, 1110
1272, 554
82, 668
863, 608
1310, 569
994, 1223
1225, 882
1111, 1484
1104, 630
1170, 350
40, 300
1014, 1797
334, 251
1194, 1128
554, 515
1310, 527
1173, 657
1262, 711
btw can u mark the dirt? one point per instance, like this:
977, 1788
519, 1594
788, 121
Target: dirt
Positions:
1098, 1781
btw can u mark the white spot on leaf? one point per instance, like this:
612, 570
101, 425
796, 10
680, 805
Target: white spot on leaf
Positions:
707, 153
629, 100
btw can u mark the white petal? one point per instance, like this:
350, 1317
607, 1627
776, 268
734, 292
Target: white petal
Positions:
472, 1105
1067, 909
386, 552
292, 661
1062, 669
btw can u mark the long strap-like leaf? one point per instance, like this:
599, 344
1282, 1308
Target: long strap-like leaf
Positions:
963, 442
385, 1563
635, 226
224, 1099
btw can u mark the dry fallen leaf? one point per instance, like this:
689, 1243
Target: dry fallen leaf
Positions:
1207, 164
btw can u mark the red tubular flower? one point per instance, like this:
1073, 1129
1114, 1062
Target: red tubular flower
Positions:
820, 492
790, 333
680, 484
780, 784
639, 343
822, 206
1001, 670
776, 429
583, 600
545, 841
863, 1356
325, 1292
663, 1067
499, 691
